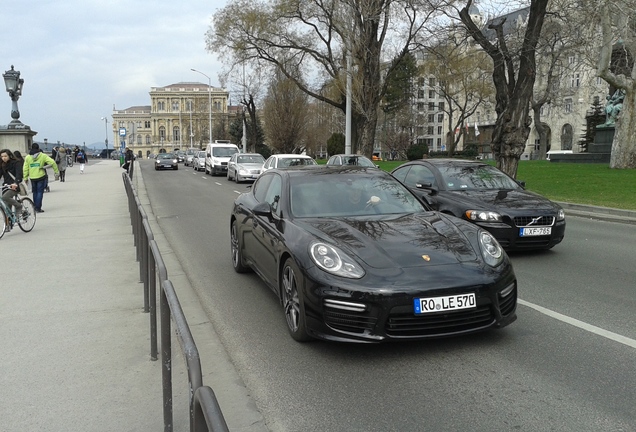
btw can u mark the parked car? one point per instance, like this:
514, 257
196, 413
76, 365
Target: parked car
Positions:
353, 255
287, 160
482, 194
351, 159
190, 153
166, 161
198, 162
245, 166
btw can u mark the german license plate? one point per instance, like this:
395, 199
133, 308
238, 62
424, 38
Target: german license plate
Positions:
527, 232
446, 303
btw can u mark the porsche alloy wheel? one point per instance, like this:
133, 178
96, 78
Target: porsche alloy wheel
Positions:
291, 291
237, 256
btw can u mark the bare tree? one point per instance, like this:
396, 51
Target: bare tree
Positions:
285, 116
310, 39
619, 34
513, 80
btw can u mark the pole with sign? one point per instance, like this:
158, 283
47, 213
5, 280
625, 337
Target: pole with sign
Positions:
122, 138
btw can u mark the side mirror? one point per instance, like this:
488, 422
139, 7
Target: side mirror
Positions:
209, 155
432, 190
263, 209
521, 183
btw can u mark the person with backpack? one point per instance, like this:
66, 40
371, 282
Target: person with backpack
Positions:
82, 158
34, 170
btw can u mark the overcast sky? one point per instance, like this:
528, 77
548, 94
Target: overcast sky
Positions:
78, 58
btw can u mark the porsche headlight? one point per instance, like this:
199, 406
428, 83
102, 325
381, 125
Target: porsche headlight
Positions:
491, 250
561, 215
483, 216
335, 261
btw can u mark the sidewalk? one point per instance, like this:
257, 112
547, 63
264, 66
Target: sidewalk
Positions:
75, 340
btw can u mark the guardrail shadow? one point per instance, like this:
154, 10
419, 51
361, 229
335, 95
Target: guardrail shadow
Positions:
205, 412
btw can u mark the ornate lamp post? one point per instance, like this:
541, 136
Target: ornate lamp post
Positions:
106, 130
209, 101
14, 84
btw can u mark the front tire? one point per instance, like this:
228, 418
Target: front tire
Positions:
237, 254
292, 285
3, 222
27, 222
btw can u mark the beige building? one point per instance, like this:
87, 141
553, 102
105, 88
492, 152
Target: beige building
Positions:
178, 117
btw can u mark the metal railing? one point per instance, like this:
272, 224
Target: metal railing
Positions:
205, 413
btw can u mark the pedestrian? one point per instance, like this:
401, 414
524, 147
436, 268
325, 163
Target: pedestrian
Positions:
11, 174
34, 169
82, 158
129, 158
62, 164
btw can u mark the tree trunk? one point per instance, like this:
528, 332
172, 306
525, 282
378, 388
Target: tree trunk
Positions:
624, 146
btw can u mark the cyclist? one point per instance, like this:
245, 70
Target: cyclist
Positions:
34, 170
11, 170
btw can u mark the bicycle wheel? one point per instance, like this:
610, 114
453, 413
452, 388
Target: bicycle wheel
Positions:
26, 220
3, 221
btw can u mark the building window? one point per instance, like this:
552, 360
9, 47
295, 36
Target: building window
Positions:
189, 105
575, 80
439, 142
175, 106
567, 105
139, 139
161, 106
176, 136
440, 118
420, 106
431, 106
430, 130
431, 82
439, 130
441, 106
431, 118
162, 133
431, 94
147, 139
420, 141
422, 82
571, 59
420, 94
147, 124
420, 130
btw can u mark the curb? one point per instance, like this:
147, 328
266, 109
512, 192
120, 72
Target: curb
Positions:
599, 213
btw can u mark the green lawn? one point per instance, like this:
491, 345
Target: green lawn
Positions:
594, 184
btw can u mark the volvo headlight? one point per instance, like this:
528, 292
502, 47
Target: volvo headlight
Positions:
561, 215
482, 216
491, 250
333, 260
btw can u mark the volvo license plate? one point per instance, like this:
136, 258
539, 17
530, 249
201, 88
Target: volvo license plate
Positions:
527, 232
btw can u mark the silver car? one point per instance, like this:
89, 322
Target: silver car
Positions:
245, 166
198, 162
190, 153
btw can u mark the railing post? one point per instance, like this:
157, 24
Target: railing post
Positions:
166, 361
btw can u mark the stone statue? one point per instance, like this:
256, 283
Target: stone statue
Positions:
614, 106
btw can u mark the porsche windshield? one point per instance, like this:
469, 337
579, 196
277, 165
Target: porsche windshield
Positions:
355, 194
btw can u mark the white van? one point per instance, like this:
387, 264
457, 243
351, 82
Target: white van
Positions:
217, 155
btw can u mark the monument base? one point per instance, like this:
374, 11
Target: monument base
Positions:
16, 136
599, 151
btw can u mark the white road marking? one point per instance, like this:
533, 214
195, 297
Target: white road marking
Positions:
580, 324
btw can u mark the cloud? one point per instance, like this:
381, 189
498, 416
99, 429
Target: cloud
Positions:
80, 57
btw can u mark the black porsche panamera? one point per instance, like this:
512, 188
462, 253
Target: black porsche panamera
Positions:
354, 256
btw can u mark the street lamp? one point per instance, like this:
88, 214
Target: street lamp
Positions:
14, 84
106, 131
209, 101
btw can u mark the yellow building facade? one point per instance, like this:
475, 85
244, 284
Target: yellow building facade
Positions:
178, 117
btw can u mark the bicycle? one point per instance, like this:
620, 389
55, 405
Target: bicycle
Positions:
69, 160
8, 219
